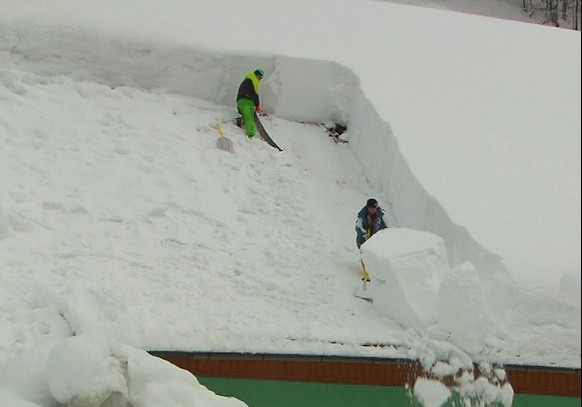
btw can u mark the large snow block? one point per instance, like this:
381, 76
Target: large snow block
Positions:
406, 267
462, 310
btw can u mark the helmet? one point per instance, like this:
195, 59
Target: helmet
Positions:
372, 203
260, 72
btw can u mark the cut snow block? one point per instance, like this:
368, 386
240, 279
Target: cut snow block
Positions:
462, 310
406, 267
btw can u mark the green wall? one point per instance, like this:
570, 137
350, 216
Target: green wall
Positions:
266, 393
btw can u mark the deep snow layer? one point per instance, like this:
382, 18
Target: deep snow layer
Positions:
334, 96
385, 134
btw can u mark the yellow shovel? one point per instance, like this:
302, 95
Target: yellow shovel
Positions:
362, 292
365, 274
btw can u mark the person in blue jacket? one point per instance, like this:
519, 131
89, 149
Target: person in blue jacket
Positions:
248, 102
371, 219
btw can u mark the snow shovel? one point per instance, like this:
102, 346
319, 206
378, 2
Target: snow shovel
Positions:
365, 274
362, 292
223, 142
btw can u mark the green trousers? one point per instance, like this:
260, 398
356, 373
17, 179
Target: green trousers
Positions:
247, 108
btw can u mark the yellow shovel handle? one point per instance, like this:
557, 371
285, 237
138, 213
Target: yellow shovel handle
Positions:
220, 131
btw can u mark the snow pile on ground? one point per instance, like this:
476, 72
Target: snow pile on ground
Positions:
431, 393
467, 392
92, 371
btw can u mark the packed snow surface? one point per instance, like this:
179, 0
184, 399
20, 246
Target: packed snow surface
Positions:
123, 227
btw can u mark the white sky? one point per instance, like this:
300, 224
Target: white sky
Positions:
121, 222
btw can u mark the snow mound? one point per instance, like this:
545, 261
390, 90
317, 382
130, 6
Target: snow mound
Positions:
431, 393
91, 371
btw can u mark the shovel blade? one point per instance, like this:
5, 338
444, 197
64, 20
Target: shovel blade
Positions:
225, 144
363, 294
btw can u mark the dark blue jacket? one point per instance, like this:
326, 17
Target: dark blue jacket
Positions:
367, 224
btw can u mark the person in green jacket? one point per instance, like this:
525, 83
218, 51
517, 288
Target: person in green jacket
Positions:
248, 102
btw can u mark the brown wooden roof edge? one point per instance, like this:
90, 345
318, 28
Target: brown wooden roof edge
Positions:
338, 358
524, 379
281, 356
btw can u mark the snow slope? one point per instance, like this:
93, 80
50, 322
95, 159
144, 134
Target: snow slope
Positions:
119, 216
